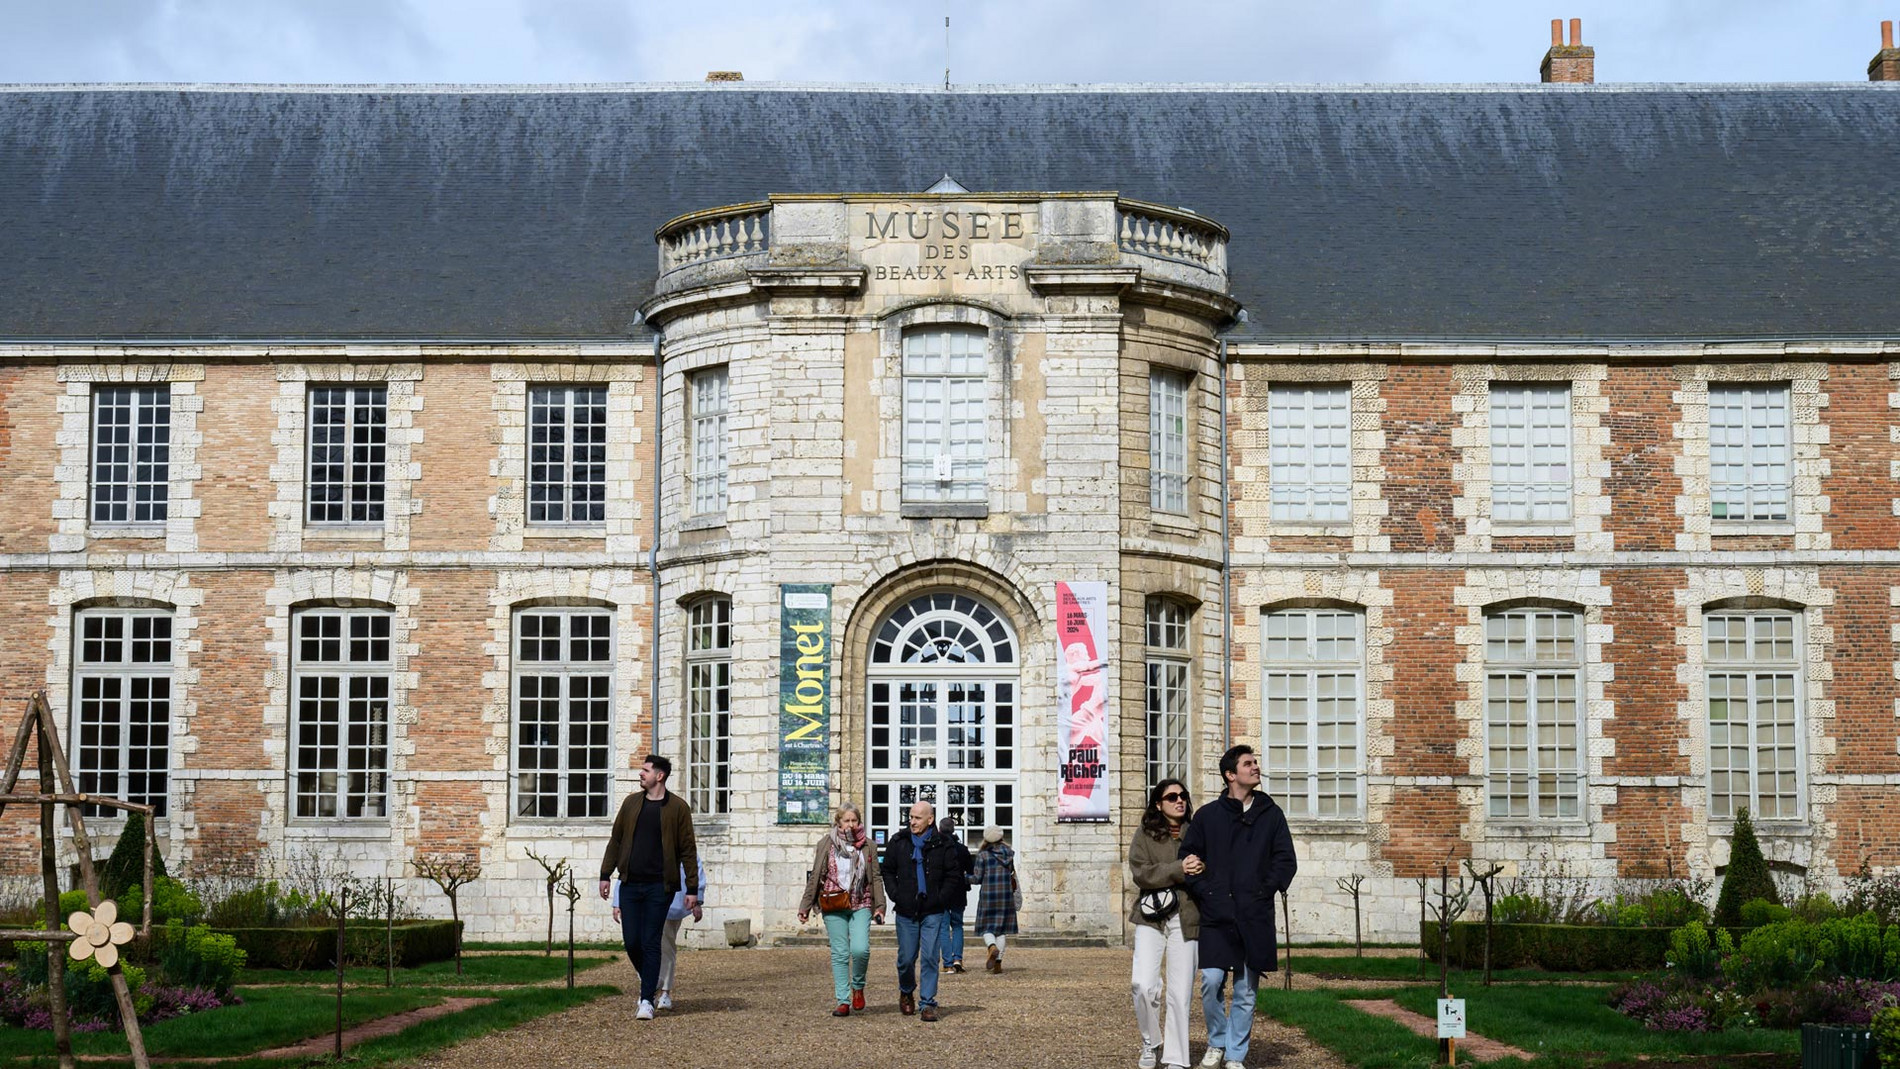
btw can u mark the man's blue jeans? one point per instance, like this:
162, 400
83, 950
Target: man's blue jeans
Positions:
952, 936
642, 917
917, 935
1229, 1030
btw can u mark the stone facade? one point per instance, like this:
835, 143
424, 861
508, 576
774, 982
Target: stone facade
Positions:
803, 310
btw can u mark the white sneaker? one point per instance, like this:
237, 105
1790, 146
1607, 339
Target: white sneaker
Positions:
1148, 1059
665, 1002
1211, 1060
1236, 1065
646, 1010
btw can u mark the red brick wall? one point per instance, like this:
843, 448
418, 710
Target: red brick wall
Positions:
1418, 458
29, 421
1649, 824
1426, 685
236, 455
1864, 690
459, 437
227, 826
1860, 454
1423, 823
452, 629
1867, 818
1643, 618
1642, 452
232, 691
24, 635
451, 819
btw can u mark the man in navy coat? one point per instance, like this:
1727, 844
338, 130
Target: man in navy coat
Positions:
1242, 839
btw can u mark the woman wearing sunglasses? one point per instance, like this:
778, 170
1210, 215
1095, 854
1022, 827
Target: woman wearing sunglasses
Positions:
1166, 925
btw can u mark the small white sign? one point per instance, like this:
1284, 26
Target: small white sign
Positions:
1451, 1018
807, 599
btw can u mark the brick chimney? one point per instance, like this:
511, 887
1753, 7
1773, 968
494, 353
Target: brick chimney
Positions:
1574, 63
725, 76
1885, 66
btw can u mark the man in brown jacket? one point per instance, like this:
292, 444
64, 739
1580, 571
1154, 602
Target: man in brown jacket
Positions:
652, 846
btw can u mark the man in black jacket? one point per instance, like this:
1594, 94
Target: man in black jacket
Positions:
918, 866
1242, 839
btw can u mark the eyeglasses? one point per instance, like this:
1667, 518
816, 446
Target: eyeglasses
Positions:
1174, 796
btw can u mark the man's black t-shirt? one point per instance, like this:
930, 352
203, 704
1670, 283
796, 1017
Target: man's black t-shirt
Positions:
648, 861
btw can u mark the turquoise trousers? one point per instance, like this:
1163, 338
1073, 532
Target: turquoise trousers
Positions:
850, 935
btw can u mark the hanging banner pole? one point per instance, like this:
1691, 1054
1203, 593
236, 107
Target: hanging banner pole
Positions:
804, 702
1082, 700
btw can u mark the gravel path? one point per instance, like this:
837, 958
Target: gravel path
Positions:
1065, 1008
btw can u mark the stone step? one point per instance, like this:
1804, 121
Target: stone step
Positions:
885, 935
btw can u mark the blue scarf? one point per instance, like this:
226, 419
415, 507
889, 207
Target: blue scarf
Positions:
917, 858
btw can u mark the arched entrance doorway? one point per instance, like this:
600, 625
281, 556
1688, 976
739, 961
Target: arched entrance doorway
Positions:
941, 683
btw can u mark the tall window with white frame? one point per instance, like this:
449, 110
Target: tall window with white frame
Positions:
1530, 453
1533, 661
709, 705
1168, 661
122, 684
349, 441
1755, 714
564, 701
945, 432
1309, 452
131, 454
567, 455
1312, 683
1167, 441
1750, 466
342, 673
710, 389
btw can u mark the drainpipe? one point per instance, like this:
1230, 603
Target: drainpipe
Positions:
653, 553
1226, 572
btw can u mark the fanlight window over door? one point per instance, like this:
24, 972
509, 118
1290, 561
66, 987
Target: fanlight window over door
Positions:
942, 718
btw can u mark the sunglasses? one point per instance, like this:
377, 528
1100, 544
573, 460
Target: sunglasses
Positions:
1174, 796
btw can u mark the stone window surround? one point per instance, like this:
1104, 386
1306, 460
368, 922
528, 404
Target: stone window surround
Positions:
1252, 380
509, 468
1589, 505
72, 504
294, 592
1000, 472
624, 592
400, 471
1808, 434
79, 591
1796, 589
1488, 590
1259, 590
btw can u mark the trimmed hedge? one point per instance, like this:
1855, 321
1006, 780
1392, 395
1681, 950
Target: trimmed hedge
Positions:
1556, 947
416, 943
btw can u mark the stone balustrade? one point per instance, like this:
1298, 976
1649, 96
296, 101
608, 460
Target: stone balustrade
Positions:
1149, 232
707, 246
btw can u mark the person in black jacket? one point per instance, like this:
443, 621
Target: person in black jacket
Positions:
1242, 839
919, 865
956, 897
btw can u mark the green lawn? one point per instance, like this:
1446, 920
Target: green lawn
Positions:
266, 1019
1411, 969
476, 969
1561, 1026
560, 946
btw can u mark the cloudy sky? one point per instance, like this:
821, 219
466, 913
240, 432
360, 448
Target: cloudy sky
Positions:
991, 41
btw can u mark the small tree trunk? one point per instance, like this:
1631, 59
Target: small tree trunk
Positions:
389, 934
455, 917
549, 952
1358, 942
342, 918
1287, 922
570, 946
1444, 933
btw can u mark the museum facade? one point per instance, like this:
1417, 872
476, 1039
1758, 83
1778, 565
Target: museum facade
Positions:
1516, 468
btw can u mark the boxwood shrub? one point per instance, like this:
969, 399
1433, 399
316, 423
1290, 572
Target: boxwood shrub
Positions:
1556, 947
416, 943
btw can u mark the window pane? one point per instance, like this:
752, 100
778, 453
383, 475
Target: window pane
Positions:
1749, 454
709, 705
1311, 727
563, 713
1754, 715
567, 454
342, 675
122, 691
710, 390
348, 441
945, 415
1167, 441
1309, 448
1530, 453
131, 454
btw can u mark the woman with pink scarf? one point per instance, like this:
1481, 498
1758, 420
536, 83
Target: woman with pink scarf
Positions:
844, 885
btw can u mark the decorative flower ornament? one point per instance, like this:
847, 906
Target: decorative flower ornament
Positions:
100, 932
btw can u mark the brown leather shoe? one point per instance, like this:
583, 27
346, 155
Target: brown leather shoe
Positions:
929, 1014
995, 962
857, 998
906, 1003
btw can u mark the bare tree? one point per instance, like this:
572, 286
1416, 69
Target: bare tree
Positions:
1449, 906
1483, 881
348, 895
571, 892
451, 873
555, 870
1350, 885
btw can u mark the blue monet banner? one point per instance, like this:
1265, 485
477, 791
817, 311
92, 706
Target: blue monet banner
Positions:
804, 703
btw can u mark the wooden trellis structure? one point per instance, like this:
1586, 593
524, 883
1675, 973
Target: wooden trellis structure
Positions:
56, 788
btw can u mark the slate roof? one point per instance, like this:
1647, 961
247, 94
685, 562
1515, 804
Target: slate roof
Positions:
1505, 212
